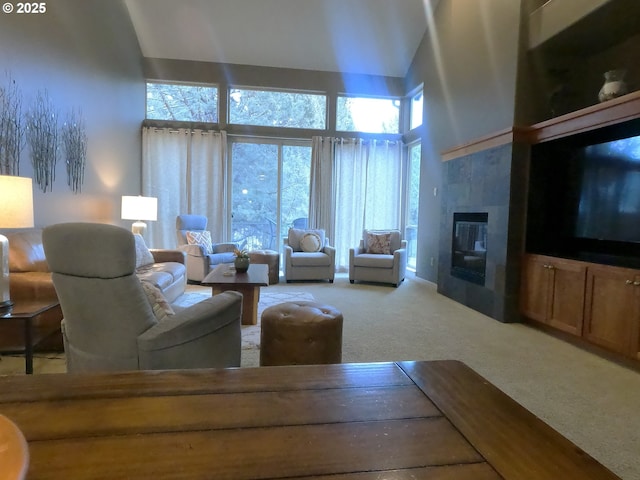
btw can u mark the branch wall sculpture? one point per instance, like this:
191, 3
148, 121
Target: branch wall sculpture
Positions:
11, 128
74, 138
42, 136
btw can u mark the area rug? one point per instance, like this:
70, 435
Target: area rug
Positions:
250, 333
55, 362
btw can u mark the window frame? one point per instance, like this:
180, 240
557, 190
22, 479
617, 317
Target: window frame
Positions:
216, 113
392, 98
257, 88
411, 96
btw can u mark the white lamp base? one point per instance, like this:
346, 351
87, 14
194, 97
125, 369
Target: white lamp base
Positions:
139, 227
5, 295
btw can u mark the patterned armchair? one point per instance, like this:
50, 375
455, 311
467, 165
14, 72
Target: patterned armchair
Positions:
381, 258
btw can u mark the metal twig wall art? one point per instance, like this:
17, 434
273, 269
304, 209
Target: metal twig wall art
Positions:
11, 128
42, 136
74, 138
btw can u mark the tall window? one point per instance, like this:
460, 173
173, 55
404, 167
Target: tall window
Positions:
368, 115
412, 201
182, 102
269, 190
272, 108
416, 110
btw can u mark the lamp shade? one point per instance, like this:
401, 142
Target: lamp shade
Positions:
139, 208
16, 202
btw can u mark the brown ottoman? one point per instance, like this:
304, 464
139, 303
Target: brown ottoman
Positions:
270, 258
300, 333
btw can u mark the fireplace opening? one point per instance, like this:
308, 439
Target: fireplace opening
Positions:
469, 246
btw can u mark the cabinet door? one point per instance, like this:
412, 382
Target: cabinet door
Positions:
535, 288
566, 311
612, 308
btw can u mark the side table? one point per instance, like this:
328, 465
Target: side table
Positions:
27, 311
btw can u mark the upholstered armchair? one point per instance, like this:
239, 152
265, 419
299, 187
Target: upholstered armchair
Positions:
195, 240
381, 257
308, 256
114, 321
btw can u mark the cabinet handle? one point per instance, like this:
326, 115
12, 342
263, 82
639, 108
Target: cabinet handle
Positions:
636, 283
629, 282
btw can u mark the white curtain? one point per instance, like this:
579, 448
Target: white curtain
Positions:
366, 177
185, 170
322, 183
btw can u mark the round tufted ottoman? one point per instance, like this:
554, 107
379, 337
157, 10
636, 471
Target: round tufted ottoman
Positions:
300, 333
270, 258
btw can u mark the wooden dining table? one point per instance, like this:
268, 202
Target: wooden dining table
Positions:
405, 420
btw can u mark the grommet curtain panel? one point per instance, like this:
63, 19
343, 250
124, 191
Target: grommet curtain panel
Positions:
366, 178
186, 170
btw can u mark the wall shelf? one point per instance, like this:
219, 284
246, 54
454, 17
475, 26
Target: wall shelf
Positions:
597, 116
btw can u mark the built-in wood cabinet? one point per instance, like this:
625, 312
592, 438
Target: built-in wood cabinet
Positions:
600, 303
553, 291
612, 308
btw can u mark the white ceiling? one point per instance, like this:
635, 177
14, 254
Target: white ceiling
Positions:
377, 37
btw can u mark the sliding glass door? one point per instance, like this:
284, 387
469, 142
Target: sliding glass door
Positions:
269, 190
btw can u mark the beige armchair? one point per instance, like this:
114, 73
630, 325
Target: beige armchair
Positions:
308, 256
195, 240
114, 321
381, 257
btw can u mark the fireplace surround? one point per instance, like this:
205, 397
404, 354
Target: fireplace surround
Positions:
485, 187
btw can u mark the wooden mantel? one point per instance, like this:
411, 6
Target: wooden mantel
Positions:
597, 116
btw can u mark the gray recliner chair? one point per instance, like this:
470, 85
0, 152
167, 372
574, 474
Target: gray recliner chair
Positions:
381, 257
112, 322
201, 257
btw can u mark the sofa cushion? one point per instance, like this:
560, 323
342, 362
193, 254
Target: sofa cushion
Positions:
202, 238
159, 304
143, 255
162, 275
373, 260
379, 243
310, 259
26, 253
296, 234
310, 242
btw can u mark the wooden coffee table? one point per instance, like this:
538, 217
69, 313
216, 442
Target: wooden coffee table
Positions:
224, 278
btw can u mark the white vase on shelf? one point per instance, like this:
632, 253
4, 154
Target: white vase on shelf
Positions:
614, 85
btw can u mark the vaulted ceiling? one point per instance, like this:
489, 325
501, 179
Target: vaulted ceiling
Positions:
377, 37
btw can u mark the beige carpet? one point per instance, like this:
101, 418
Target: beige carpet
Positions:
592, 401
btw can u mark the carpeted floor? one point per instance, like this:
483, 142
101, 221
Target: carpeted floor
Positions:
592, 401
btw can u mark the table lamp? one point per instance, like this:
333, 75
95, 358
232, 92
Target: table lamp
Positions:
16, 211
139, 208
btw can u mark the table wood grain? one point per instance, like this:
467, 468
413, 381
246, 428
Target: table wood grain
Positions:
431, 420
224, 278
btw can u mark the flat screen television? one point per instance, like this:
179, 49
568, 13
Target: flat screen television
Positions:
584, 196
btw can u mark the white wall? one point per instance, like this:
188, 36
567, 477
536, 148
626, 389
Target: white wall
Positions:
85, 54
468, 64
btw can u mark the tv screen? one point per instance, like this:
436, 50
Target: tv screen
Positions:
584, 196
608, 192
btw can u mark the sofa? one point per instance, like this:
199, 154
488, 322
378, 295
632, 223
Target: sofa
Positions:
30, 278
